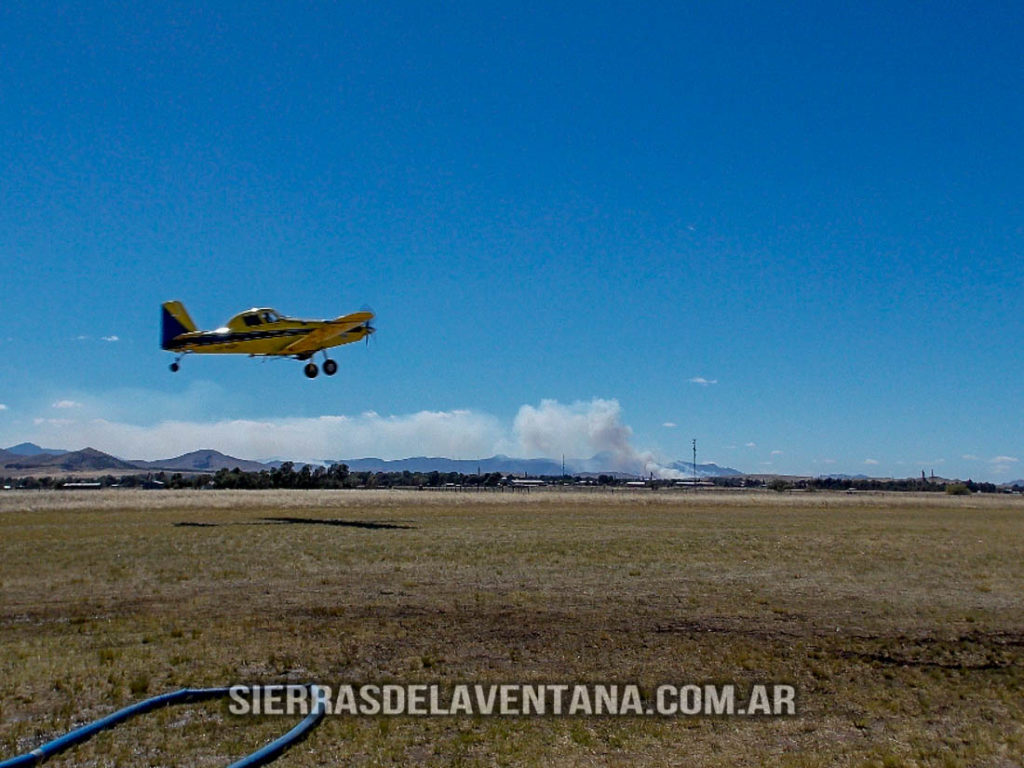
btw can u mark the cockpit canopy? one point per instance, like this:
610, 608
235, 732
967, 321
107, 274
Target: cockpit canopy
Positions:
253, 318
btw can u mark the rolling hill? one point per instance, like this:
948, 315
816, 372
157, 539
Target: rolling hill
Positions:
85, 460
31, 449
205, 460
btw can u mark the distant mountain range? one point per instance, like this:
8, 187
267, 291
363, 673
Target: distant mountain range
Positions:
704, 470
504, 464
31, 449
29, 458
509, 465
91, 460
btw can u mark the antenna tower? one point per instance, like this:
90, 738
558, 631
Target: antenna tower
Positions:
695, 462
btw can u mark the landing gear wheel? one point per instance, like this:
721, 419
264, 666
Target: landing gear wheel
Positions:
311, 370
330, 367
174, 367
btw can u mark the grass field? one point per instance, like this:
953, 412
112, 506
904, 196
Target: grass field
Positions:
899, 619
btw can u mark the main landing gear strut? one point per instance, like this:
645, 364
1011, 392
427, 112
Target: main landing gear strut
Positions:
311, 370
330, 368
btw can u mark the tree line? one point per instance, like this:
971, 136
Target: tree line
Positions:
338, 476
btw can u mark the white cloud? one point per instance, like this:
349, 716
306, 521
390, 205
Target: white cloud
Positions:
446, 433
1003, 469
66, 404
579, 430
970, 457
109, 338
3, 407
776, 452
871, 462
751, 445
53, 422
1002, 465
702, 381
670, 425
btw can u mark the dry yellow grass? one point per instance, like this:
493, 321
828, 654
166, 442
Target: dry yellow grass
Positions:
898, 618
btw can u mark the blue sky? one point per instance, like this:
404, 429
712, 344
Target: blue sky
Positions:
792, 231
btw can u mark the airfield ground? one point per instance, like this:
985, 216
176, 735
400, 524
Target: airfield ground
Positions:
898, 618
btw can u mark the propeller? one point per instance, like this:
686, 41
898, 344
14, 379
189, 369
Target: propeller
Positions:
370, 330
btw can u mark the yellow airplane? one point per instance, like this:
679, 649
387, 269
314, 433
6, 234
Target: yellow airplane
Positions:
263, 332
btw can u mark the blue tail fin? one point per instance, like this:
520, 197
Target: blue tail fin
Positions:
174, 321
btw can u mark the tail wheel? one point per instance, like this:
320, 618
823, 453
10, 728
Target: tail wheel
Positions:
174, 367
311, 370
330, 367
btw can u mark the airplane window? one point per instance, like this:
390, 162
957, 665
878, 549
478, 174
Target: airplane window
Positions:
252, 319
268, 317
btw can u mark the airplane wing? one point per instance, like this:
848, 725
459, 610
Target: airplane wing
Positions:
321, 337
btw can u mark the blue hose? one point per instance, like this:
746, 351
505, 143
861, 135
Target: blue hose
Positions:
262, 756
273, 750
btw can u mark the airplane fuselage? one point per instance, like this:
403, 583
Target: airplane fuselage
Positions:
272, 339
262, 332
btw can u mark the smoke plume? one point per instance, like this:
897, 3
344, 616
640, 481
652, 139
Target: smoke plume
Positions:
591, 434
